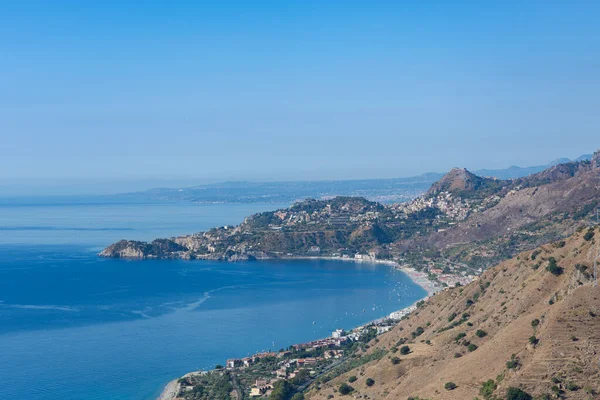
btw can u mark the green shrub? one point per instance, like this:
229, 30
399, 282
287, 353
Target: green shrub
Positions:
533, 340
472, 347
535, 323
553, 267
404, 350
517, 394
370, 382
481, 333
487, 389
588, 235
395, 360
450, 386
513, 363
460, 336
418, 332
352, 379
345, 389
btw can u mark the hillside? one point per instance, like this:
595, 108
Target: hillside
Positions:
463, 183
527, 328
462, 224
485, 228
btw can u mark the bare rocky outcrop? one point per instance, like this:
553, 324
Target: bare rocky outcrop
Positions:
159, 248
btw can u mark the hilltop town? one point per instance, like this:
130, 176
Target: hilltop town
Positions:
462, 225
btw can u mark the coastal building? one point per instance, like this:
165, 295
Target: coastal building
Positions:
247, 361
333, 354
261, 387
233, 363
314, 249
382, 329
338, 333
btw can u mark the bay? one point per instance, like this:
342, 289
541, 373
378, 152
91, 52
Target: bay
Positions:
75, 326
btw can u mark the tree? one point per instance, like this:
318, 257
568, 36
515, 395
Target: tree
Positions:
481, 333
535, 323
487, 389
450, 386
395, 360
418, 332
298, 396
472, 347
370, 382
517, 394
513, 363
553, 267
282, 390
352, 379
533, 340
345, 389
404, 350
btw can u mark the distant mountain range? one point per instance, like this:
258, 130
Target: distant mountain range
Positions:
381, 190
520, 172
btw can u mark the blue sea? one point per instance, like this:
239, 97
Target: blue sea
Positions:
75, 326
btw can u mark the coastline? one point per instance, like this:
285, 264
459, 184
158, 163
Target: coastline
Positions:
419, 278
170, 391
172, 388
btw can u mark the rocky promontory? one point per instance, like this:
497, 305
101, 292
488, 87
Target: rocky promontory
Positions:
502, 217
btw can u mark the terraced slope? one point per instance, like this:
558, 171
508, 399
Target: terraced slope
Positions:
528, 328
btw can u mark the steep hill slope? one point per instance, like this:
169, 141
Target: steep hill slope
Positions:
500, 218
532, 322
461, 182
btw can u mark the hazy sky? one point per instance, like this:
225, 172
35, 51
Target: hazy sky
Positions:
293, 89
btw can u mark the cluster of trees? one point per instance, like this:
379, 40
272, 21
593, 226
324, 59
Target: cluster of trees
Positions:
553, 267
208, 387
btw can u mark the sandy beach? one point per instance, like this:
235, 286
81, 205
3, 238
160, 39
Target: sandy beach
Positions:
420, 278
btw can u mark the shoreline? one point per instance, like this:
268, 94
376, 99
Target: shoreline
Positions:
171, 390
419, 278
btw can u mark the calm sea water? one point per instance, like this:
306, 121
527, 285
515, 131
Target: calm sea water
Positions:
74, 326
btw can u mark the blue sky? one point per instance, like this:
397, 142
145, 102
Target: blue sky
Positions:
293, 89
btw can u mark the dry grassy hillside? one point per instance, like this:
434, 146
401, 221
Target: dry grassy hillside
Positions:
528, 328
